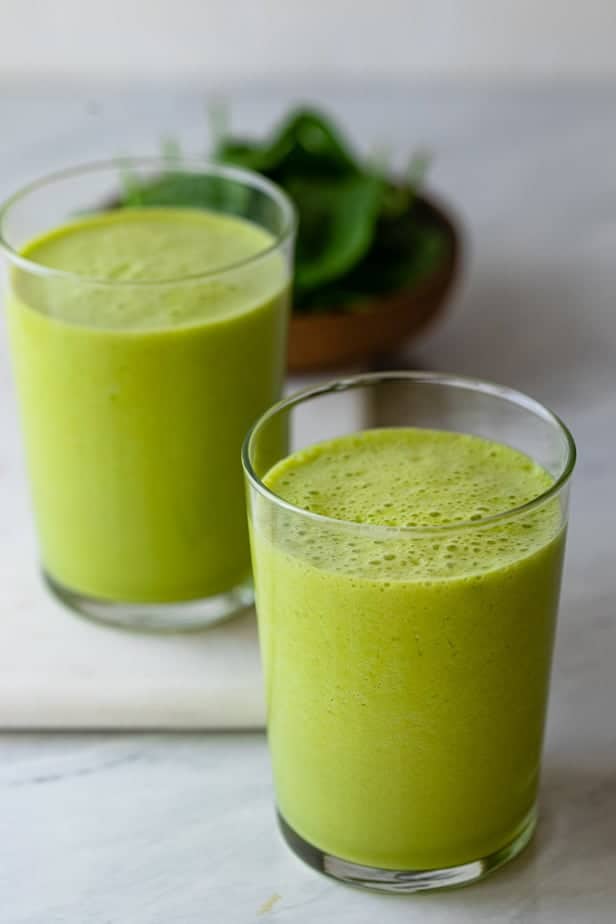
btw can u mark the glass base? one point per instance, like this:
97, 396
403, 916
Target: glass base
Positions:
406, 880
185, 616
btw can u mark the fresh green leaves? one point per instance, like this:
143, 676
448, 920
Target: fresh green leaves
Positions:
304, 145
405, 249
360, 234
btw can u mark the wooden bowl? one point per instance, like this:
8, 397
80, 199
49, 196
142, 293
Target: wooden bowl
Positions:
334, 339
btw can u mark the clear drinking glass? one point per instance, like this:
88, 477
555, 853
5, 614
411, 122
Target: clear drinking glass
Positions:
137, 384
407, 684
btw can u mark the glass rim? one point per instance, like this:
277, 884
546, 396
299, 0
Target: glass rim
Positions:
249, 178
467, 383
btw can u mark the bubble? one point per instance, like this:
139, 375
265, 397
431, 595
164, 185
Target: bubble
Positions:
389, 495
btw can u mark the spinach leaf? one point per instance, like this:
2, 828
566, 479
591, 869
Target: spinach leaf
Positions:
338, 221
306, 144
338, 201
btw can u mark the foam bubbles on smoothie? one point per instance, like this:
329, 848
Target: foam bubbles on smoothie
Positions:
419, 480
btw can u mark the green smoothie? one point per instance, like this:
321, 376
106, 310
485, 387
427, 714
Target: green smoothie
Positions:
136, 393
407, 672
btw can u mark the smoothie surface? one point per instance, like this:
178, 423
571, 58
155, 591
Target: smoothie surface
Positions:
418, 479
194, 255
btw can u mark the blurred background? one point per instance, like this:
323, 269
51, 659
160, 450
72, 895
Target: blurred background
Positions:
227, 43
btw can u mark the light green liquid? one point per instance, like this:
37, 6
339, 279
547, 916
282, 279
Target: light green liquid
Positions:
135, 398
407, 677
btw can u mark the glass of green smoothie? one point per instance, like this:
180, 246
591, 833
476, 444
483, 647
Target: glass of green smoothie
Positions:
145, 340
407, 579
